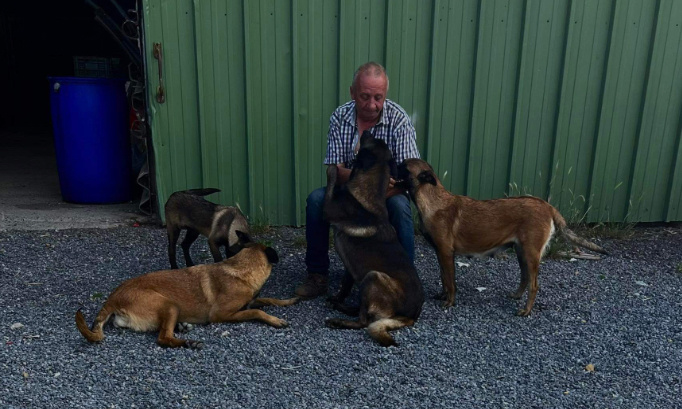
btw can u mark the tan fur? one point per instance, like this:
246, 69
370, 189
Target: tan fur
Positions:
460, 225
202, 294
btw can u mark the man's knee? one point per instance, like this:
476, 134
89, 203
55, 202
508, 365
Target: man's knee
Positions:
315, 199
399, 207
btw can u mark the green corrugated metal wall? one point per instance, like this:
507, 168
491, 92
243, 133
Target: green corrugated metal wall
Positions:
575, 101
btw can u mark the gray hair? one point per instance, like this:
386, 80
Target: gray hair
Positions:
371, 68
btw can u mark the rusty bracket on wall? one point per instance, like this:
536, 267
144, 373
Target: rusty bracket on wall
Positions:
160, 91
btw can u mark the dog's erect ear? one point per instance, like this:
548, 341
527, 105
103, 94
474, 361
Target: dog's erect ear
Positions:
427, 177
271, 254
243, 237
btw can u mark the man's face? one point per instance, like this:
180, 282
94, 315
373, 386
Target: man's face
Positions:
369, 95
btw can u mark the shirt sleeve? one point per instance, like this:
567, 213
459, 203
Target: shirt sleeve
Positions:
334, 145
405, 142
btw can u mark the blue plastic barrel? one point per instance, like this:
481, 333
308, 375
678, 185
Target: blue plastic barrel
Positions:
90, 122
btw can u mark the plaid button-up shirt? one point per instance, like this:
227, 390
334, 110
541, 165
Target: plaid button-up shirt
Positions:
394, 128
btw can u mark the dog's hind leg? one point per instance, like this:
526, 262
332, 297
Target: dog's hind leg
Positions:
532, 265
190, 237
173, 235
524, 273
167, 319
378, 330
339, 323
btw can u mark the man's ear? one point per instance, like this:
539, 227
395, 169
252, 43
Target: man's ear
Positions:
427, 177
271, 254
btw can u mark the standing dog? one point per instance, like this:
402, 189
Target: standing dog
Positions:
391, 294
460, 225
189, 210
209, 293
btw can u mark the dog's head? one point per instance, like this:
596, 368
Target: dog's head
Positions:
245, 241
372, 151
414, 173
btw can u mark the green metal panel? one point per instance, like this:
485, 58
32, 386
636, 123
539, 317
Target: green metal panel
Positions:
175, 123
660, 129
581, 93
222, 91
574, 101
316, 79
453, 56
545, 28
495, 86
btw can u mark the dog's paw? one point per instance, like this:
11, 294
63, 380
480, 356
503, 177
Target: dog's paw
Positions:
333, 323
184, 327
280, 323
447, 304
194, 344
443, 295
522, 313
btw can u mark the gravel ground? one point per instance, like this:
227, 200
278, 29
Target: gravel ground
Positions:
621, 315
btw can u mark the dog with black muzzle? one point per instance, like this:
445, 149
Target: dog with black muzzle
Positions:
391, 294
455, 224
188, 210
208, 293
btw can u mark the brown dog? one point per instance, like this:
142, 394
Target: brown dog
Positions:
391, 294
209, 293
188, 210
460, 225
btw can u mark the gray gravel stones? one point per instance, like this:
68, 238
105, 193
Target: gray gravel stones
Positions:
620, 314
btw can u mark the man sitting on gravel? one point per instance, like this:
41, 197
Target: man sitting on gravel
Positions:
368, 110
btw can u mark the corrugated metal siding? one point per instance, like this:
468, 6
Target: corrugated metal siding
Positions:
575, 101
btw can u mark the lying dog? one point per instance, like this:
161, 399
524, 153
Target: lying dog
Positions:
189, 210
391, 294
460, 225
209, 293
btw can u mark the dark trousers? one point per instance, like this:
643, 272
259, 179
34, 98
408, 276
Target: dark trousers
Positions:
317, 230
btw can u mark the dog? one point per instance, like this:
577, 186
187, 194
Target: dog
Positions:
455, 224
189, 210
391, 294
209, 293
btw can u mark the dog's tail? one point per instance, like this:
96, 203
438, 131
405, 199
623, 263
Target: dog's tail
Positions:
202, 192
378, 330
560, 225
96, 334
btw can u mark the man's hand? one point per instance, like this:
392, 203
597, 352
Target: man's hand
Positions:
392, 190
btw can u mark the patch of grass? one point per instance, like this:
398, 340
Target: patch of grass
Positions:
300, 242
260, 223
96, 296
679, 268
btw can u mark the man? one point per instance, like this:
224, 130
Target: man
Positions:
368, 110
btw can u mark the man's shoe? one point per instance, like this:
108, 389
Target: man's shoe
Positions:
313, 286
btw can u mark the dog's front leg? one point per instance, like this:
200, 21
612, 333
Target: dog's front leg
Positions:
262, 302
332, 176
248, 315
215, 251
446, 259
347, 282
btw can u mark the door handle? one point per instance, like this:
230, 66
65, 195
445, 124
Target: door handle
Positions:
160, 90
